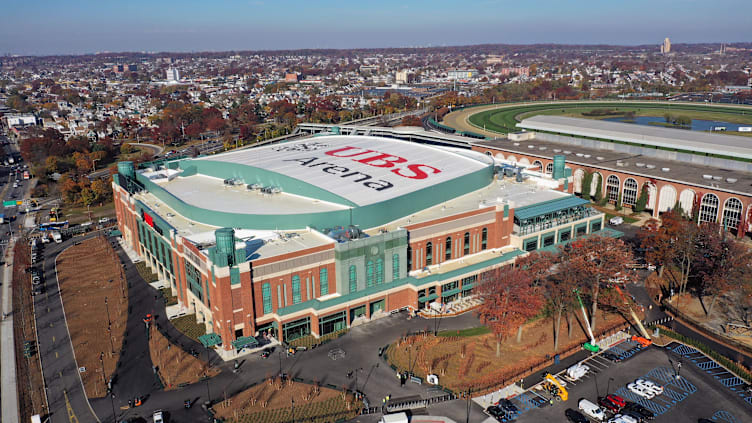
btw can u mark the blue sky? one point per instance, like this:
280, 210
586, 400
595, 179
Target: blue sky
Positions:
86, 26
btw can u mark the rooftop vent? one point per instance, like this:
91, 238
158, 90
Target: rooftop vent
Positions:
717, 178
599, 157
650, 166
731, 180
531, 146
640, 164
557, 150
567, 152
578, 154
665, 169
542, 148
516, 144
587, 156
707, 176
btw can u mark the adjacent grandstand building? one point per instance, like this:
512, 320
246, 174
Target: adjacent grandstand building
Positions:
312, 236
709, 176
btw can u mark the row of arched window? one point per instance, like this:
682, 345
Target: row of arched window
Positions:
374, 272
448, 246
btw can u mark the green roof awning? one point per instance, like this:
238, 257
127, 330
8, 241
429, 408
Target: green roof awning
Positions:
527, 212
210, 340
115, 232
244, 341
450, 292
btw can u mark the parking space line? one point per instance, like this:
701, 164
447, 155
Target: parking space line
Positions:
724, 416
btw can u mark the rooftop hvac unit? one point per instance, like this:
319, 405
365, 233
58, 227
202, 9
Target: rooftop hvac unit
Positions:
731, 180
587, 156
579, 154
665, 169
516, 144
650, 166
599, 157
640, 164
567, 152
717, 178
557, 150
542, 148
531, 146
707, 176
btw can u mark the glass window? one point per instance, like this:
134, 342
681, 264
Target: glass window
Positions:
708, 208
466, 250
296, 329
595, 226
580, 231
296, 289
629, 197
429, 253
550, 168
333, 323
266, 294
450, 286
395, 266
564, 236
484, 239
369, 274
432, 290
379, 271
448, 249
732, 212
353, 278
612, 188
549, 240
531, 245
324, 277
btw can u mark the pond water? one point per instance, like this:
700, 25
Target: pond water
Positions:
697, 124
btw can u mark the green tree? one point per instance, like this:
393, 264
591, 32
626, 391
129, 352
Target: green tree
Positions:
587, 182
88, 196
678, 208
642, 200
617, 206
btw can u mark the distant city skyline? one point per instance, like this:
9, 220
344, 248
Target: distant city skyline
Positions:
51, 27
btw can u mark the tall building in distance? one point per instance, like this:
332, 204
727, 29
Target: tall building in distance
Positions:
173, 75
666, 46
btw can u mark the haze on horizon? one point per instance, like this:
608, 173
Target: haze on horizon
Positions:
87, 26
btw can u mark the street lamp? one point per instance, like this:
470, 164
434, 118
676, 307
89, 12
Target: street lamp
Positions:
293, 410
109, 326
206, 375
608, 386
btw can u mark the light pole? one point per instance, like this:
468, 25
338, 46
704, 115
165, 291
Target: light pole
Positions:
279, 354
467, 415
293, 410
109, 326
112, 402
206, 375
608, 386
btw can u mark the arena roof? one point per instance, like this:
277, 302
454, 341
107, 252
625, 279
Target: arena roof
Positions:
701, 142
362, 170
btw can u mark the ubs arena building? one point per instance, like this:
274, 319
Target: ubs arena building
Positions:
312, 236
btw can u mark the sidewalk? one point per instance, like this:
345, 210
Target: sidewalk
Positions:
9, 394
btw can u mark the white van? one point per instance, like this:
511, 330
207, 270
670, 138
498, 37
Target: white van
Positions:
394, 418
591, 410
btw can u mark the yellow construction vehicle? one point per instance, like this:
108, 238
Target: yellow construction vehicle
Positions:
556, 387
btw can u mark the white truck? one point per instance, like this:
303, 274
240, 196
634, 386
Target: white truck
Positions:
394, 418
57, 237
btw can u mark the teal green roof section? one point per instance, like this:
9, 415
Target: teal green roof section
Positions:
364, 293
210, 340
527, 212
244, 341
605, 232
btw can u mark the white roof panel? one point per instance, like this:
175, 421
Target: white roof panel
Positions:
701, 142
362, 169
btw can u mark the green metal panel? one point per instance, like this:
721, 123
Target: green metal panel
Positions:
367, 216
320, 305
450, 292
546, 207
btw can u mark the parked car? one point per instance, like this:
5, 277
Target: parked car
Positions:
495, 411
575, 416
577, 371
637, 408
608, 405
616, 220
507, 405
622, 418
650, 386
608, 355
617, 400
158, 416
639, 390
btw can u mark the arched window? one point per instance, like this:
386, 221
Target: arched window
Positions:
429, 253
295, 289
629, 196
379, 271
550, 168
483, 239
324, 278
537, 165
512, 159
448, 249
612, 188
708, 208
353, 278
466, 247
732, 212
395, 267
369, 274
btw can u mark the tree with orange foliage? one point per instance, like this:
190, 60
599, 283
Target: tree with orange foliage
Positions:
509, 300
595, 262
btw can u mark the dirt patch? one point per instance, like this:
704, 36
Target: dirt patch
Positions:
176, 367
89, 273
271, 401
470, 361
29, 383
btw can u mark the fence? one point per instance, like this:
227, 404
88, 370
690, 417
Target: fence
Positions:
717, 336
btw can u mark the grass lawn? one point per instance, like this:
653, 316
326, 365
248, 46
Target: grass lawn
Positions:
188, 326
481, 330
503, 120
627, 219
169, 298
80, 214
469, 359
145, 272
269, 402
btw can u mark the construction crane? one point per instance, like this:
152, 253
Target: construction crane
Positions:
634, 315
590, 346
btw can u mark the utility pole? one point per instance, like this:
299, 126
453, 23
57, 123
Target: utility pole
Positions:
109, 326
467, 415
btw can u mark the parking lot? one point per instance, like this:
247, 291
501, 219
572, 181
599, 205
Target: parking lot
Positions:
703, 390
